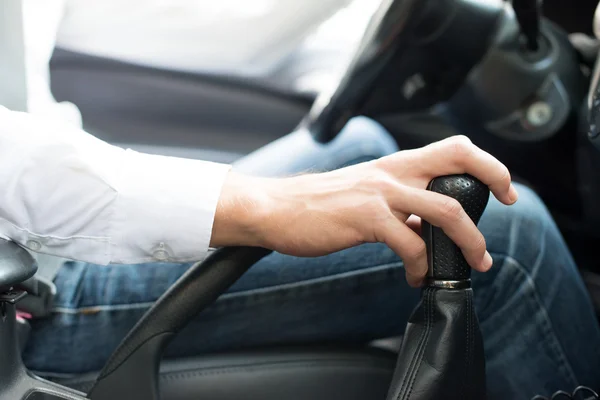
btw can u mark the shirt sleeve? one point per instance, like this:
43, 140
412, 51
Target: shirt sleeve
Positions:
66, 193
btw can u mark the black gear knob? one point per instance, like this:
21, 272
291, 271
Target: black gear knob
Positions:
446, 261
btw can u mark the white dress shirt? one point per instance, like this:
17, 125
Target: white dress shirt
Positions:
41, 21
242, 37
69, 194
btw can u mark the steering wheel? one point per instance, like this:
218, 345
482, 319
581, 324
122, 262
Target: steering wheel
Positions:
410, 46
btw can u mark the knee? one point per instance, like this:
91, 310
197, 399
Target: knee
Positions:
516, 236
523, 225
531, 258
529, 203
366, 137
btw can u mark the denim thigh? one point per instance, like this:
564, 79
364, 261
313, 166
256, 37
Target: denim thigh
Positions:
539, 328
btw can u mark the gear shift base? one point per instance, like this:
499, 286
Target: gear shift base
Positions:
442, 351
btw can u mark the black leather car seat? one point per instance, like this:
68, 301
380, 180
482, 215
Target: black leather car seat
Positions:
302, 373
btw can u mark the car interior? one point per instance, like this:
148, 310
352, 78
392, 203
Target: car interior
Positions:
514, 76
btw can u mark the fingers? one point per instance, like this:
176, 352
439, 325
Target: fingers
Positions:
414, 223
410, 248
457, 155
447, 213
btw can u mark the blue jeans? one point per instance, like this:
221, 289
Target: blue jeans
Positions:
539, 328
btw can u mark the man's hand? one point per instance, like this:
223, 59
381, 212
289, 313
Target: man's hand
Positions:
377, 201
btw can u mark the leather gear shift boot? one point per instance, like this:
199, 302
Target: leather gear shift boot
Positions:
442, 353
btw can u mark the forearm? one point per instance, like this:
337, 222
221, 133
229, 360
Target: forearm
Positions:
67, 193
305, 215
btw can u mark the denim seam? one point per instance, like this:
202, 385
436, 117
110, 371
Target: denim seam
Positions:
554, 342
542, 250
257, 296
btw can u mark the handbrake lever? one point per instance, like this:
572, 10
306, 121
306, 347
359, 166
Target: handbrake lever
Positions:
442, 353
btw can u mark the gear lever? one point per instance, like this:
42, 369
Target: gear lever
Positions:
442, 353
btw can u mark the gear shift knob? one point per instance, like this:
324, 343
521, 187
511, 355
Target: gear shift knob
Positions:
447, 265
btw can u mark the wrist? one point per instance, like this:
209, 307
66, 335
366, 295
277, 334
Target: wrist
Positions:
242, 209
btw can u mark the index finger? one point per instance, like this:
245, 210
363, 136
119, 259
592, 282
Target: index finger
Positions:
458, 155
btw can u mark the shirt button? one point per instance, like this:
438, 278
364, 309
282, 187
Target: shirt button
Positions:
161, 255
33, 245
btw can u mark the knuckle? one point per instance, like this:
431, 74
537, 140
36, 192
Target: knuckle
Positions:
479, 244
414, 273
378, 211
462, 146
505, 176
384, 163
385, 182
462, 139
451, 210
416, 253
381, 183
